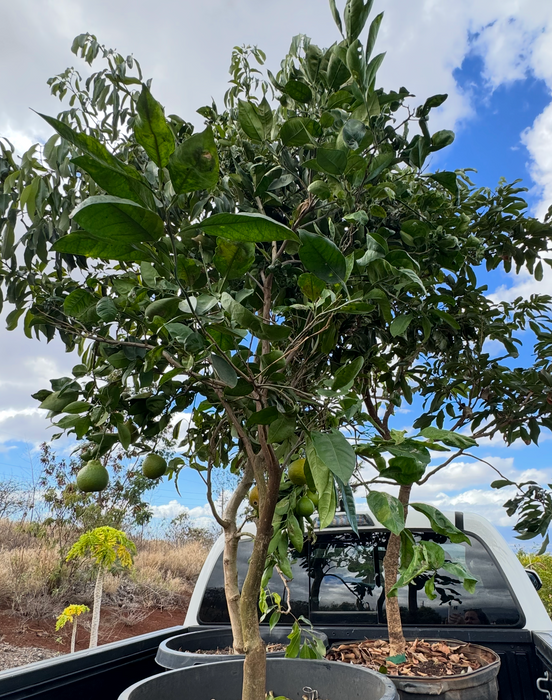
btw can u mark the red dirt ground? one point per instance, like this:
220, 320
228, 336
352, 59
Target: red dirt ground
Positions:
115, 624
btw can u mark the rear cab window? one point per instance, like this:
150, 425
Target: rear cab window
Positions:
338, 580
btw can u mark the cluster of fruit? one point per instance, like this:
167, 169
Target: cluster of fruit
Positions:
306, 504
95, 477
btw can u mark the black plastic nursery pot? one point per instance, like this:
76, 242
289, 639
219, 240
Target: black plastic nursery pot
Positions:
292, 678
180, 651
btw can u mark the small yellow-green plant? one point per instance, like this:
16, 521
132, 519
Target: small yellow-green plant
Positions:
105, 545
70, 614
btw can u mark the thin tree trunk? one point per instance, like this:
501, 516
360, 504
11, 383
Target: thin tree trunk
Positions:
74, 635
397, 641
232, 590
254, 669
95, 626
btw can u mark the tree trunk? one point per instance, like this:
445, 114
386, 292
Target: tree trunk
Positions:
74, 635
232, 590
254, 669
95, 626
397, 641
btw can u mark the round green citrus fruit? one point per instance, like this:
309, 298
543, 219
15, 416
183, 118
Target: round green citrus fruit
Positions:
313, 497
254, 497
296, 472
153, 466
305, 507
92, 477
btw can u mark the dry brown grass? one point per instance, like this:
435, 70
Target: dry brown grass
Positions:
183, 561
34, 582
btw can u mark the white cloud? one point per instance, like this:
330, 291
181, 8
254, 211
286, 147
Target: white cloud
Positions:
169, 510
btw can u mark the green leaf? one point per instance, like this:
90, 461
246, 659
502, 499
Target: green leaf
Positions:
225, 371
137, 187
152, 130
311, 286
327, 504
106, 309
373, 35
195, 164
299, 131
434, 101
281, 429
378, 164
349, 504
334, 450
353, 133
125, 436
447, 180
255, 121
331, 161
248, 227
265, 416
239, 314
116, 181
118, 220
468, 580
335, 15
397, 659
233, 258
322, 257
355, 16
501, 483
429, 588
78, 302
295, 532
440, 523
400, 324
298, 91
404, 470
388, 510
347, 373
82, 243
449, 438
441, 139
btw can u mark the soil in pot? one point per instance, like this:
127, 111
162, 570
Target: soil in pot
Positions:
229, 651
432, 667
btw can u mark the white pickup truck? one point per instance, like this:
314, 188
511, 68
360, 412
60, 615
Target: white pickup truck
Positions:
338, 585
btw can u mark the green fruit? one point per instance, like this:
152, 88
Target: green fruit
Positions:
313, 497
92, 477
296, 472
153, 466
166, 308
254, 497
305, 507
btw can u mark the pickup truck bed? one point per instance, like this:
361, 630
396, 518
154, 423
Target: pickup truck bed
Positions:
105, 672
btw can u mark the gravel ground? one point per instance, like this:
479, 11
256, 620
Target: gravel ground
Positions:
11, 656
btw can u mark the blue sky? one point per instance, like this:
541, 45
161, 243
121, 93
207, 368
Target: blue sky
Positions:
493, 58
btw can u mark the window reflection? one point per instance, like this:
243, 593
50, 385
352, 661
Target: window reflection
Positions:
338, 580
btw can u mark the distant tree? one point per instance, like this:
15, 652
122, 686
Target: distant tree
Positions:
105, 546
181, 529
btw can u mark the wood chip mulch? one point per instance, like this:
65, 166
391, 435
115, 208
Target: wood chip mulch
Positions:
423, 658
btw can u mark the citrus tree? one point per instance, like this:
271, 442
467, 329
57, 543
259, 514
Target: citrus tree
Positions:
106, 546
289, 275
